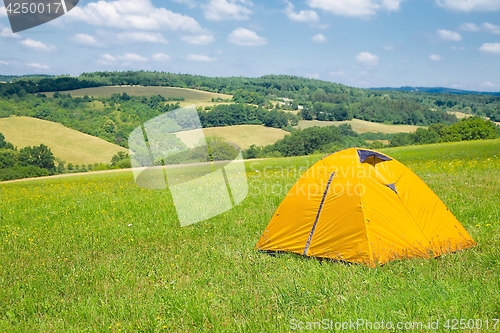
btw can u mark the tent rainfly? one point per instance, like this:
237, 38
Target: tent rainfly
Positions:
362, 206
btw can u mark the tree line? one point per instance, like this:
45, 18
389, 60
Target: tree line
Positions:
473, 128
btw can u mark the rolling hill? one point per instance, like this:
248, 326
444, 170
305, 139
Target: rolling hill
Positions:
361, 126
242, 135
69, 145
191, 96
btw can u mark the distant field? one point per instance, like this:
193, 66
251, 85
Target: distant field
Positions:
191, 96
361, 126
69, 145
460, 115
242, 135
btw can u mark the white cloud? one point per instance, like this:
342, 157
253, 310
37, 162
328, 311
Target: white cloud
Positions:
201, 39
189, 3
354, 8
7, 33
488, 84
219, 10
132, 14
199, 57
306, 16
490, 48
469, 27
495, 29
144, 37
132, 57
319, 38
449, 35
337, 73
366, 58
4, 63
458, 48
470, 5
85, 40
435, 57
37, 45
246, 37
160, 57
391, 5
388, 47
3, 12
106, 59
37, 66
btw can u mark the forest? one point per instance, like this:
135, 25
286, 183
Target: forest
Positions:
266, 100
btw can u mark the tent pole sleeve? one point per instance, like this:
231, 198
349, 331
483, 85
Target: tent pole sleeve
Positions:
317, 215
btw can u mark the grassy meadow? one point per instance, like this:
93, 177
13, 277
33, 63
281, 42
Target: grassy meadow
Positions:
96, 253
67, 144
191, 96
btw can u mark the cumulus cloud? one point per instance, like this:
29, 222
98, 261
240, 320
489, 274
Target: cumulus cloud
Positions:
470, 5
435, 57
160, 57
37, 45
201, 39
246, 37
469, 27
3, 12
305, 16
189, 3
38, 67
132, 14
7, 33
368, 59
319, 38
199, 57
106, 59
132, 57
495, 29
488, 84
144, 37
449, 35
219, 10
359, 8
85, 40
337, 73
490, 48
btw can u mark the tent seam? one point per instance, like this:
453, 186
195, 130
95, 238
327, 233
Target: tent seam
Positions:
370, 250
309, 239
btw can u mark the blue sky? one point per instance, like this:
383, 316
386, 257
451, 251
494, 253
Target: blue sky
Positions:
361, 43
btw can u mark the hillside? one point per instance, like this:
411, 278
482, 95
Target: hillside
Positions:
69, 145
190, 96
361, 126
243, 135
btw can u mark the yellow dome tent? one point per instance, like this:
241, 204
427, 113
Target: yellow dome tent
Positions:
361, 206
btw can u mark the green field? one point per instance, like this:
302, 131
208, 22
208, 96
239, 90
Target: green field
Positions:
67, 144
361, 126
95, 253
191, 96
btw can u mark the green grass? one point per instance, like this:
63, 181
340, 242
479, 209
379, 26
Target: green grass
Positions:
191, 96
67, 144
95, 253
